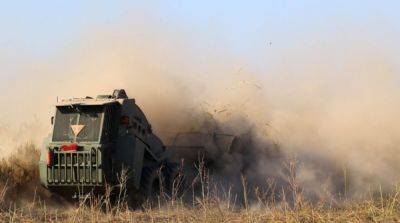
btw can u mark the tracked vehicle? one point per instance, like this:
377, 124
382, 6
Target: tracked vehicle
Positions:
95, 141
107, 141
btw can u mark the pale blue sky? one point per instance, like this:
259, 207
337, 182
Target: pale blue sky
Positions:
40, 29
40, 26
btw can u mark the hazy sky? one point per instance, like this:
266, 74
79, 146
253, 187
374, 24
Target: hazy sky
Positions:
40, 29
274, 40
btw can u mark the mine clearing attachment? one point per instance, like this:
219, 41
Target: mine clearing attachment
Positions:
204, 151
194, 147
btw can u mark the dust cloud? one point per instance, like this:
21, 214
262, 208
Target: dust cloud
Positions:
337, 115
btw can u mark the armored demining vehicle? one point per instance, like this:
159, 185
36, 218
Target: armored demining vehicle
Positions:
94, 140
108, 141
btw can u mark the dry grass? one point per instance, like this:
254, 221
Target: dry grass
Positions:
366, 211
23, 200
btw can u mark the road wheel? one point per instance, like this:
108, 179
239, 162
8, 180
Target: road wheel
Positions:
151, 187
151, 182
174, 180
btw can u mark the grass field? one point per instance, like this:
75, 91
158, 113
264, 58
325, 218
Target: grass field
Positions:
386, 210
23, 200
